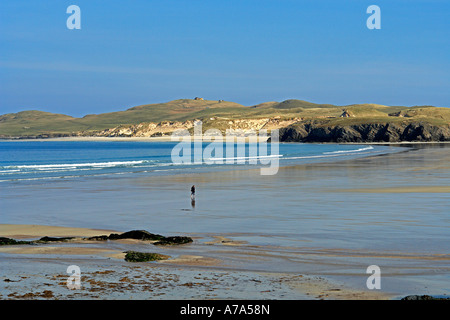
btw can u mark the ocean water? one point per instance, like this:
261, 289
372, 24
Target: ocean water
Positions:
313, 216
38, 160
129, 185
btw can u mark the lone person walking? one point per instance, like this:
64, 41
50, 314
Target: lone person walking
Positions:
193, 193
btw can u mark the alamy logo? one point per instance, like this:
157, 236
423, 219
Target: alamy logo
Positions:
74, 280
74, 20
374, 21
374, 281
235, 151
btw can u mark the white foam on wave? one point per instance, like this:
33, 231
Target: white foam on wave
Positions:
322, 156
246, 158
350, 151
9, 171
61, 169
93, 164
63, 166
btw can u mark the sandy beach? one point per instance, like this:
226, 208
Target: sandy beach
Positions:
38, 272
37, 231
384, 210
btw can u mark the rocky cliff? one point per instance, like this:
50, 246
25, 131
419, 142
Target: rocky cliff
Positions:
366, 132
166, 128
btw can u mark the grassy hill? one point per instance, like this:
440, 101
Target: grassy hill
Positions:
32, 123
35, 122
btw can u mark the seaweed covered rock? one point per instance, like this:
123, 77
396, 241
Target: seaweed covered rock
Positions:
136, 256
53, 239
136, 234
133, 234
173, 240
145, 235
8, 241
98, 238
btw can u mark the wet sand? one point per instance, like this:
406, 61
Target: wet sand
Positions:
30, 231
423, 189
39, 272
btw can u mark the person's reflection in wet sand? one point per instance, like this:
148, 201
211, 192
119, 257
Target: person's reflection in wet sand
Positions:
193, 197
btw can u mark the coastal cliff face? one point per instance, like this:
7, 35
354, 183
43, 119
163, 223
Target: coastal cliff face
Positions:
166, 128
142, 130
293, 130
368, 132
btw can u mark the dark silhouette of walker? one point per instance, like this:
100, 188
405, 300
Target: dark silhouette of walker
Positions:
193, 196
193, 193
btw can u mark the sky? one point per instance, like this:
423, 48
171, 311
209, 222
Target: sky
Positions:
129, 53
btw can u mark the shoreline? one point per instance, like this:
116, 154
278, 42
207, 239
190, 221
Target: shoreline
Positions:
98, 258
205, 139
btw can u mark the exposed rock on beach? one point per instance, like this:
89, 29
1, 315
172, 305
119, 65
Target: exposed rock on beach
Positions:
142, 235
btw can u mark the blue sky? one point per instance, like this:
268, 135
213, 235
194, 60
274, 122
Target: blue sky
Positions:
129, 53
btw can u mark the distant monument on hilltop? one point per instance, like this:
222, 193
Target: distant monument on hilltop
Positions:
345, 114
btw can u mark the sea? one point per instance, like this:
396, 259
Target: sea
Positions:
50, 160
